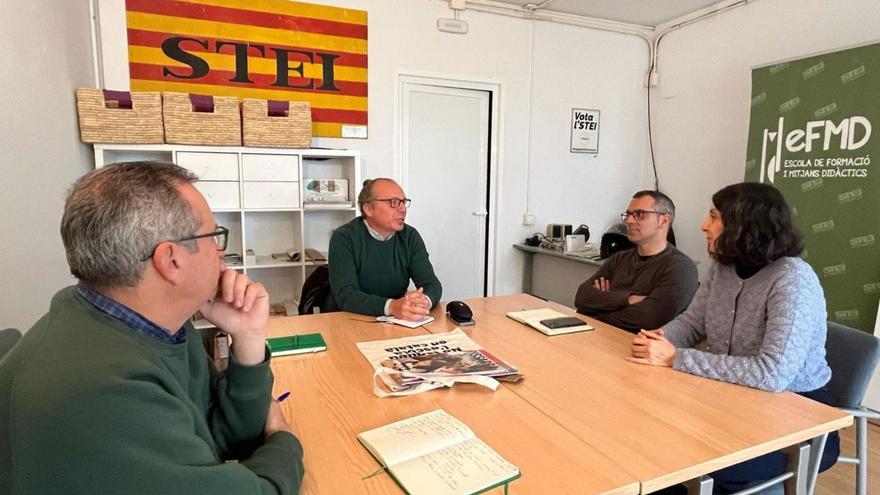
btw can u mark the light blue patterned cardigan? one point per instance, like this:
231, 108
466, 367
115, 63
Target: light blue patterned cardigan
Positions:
765, 332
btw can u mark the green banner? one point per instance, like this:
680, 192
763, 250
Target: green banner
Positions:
810, 135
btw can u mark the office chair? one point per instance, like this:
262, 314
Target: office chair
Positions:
315, 292
8, 338
852, 356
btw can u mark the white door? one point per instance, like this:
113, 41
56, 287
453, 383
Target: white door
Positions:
445, 170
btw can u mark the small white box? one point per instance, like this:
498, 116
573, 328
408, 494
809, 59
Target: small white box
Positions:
271, 194
269, 167
574, 243
210, 166
219, 195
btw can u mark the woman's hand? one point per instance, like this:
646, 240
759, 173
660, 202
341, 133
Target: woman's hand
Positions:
651, 347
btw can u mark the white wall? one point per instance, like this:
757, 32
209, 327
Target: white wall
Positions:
574, 67
46, 54
577, 67
701, 108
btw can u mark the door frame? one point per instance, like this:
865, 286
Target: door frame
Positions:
400, 168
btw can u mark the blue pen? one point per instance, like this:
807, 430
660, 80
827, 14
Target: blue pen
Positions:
283, 396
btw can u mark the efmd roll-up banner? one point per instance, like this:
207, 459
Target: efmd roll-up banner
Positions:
812, 135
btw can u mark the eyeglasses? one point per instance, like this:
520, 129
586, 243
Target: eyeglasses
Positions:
221, 237
396, 202
639, 214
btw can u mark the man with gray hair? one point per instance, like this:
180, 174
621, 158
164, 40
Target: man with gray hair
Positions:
373, 258
649, 285
112, 390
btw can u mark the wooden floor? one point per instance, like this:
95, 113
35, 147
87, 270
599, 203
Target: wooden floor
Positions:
840, 479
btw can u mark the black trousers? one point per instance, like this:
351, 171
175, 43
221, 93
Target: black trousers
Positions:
755, 471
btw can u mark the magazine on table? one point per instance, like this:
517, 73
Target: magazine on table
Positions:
407, 364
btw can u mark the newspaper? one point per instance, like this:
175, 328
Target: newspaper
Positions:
423, 362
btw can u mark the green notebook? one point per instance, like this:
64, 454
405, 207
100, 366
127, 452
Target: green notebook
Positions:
296, 344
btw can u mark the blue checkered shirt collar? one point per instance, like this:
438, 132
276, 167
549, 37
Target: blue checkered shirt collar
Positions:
129, 317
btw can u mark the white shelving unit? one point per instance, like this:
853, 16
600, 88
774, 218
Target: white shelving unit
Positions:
257, 193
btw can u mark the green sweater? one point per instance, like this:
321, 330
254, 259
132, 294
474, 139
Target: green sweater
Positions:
365, 272
88, 405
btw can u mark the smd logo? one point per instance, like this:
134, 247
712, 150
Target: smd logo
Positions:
832, 270
823, 226
850, 196
846, 315
850, 133
862, 241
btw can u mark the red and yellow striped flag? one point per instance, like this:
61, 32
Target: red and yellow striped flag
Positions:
270, 49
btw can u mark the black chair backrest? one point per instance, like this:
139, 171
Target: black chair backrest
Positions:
852, 356
315, 290
8, 338
614, 240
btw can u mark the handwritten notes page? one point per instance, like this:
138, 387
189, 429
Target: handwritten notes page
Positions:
436, 454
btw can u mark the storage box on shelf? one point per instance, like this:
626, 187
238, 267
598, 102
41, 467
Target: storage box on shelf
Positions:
257, 193
201, 119
119, 116
285, 124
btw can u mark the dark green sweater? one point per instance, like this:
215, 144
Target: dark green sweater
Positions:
365, 272
88, 405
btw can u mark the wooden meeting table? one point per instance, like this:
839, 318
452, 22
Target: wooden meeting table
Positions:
332, 401
584, 420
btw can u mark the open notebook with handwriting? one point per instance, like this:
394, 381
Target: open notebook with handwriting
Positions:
436, 454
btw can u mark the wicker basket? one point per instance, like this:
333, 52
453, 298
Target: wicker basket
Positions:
119, 117
282, 124
199, 119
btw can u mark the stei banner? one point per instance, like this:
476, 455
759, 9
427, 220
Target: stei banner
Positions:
811, 135
268, 49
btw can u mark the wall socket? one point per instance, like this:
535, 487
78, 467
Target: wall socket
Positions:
528, 219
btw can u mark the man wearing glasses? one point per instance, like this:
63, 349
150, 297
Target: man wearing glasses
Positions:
373, 258
647, 286
112, 390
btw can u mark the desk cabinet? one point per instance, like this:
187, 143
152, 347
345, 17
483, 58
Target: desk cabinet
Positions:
257, 193
554, 276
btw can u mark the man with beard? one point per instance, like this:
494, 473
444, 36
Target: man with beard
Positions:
649, 285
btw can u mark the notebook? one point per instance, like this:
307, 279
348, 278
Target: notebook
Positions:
436, 454
533, 319
296, 344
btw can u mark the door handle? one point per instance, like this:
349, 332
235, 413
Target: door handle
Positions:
480, 213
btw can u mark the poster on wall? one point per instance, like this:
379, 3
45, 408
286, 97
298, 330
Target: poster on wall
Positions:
584, 131
268, 49
811, 135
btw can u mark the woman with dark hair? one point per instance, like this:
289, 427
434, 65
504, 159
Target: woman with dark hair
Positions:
761, 311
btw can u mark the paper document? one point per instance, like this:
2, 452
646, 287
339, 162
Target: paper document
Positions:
405, 323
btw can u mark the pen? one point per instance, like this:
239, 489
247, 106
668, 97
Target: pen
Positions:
283, 396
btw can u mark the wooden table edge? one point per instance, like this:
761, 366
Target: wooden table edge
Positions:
708, 467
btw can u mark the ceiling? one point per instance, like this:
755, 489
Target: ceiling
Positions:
641, 12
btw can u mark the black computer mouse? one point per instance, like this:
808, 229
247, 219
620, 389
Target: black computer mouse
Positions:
459, 311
